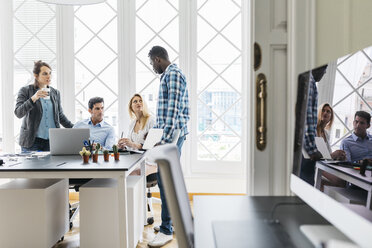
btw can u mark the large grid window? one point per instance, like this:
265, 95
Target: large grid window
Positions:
153, 29
96, 66
219, 83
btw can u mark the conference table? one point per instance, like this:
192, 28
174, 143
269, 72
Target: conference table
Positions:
59, 167
348, 174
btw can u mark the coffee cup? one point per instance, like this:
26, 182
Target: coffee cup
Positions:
47, 90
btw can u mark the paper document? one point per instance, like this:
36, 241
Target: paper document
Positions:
322, 147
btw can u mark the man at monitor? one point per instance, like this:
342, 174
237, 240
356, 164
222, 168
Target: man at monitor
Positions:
100, 131
358, 145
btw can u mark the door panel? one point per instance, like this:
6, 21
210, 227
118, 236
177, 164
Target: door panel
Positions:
269, 173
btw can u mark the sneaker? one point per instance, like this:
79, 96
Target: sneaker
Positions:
157, 229
160, 240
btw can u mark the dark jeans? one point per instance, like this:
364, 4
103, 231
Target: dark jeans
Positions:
39, 145
307, 172
166, 222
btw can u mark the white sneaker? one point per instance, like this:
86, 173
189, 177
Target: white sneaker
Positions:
160, 240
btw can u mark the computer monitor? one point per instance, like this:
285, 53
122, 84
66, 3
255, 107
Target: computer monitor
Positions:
347, 87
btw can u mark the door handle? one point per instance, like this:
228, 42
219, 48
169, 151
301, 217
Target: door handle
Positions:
261, 96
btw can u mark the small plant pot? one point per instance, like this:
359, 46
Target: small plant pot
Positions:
85, 159
116, 156
106, 157
95, 158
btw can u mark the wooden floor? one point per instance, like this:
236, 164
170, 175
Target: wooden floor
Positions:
71, 239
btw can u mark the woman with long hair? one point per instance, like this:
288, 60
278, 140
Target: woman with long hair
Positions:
140, 125
324, 125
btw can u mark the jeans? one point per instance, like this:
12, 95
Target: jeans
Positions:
307, 171
166, 222
39, 145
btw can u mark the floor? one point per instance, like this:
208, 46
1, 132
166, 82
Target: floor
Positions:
71, 239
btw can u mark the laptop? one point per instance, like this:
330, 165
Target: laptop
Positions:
322, 147
154, 136
67, 141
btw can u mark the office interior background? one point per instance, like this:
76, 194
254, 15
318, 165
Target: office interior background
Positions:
101, 50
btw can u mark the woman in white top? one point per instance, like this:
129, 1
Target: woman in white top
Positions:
139, 126
324, 124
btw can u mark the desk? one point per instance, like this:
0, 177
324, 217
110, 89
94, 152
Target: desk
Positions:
73, 167
212, 208
348, 174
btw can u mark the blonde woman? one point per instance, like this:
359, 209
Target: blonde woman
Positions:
324, 125
140, 125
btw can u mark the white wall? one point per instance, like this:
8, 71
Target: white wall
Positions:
342, 27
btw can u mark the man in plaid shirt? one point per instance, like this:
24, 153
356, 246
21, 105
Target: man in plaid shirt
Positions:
307, 172
172, 113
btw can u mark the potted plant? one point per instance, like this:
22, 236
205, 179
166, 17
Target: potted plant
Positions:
95, 154
116, 152
106, 155
85, 154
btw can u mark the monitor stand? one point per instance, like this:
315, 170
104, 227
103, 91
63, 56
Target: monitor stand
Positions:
323, 234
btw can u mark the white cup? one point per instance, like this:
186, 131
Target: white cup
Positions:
48, 91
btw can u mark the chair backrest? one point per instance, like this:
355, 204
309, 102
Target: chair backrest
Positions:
167, 158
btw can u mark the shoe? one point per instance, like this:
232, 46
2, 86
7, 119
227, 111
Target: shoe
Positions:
157, 229
160, 240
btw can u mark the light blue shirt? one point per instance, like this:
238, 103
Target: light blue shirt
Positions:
357, 148
102, 132
47, 119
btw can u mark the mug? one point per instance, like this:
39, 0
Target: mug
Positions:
48, 91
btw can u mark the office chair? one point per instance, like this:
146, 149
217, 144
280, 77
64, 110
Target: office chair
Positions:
152, 181
167, 158
75, 183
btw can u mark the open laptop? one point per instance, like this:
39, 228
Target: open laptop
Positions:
67, 141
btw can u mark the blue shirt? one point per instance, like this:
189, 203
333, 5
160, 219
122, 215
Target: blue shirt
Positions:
311, 118
102, 132
357, 148
47, 119
172, 110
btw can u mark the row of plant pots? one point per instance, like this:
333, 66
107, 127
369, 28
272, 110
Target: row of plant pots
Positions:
106, 155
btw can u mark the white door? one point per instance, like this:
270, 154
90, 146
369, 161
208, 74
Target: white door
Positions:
268, 170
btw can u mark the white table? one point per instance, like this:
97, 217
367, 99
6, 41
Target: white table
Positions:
73, 167
348, 174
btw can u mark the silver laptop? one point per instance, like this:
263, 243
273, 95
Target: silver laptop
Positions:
67, 141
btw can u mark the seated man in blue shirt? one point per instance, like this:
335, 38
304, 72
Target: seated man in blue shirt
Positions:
100, 131
358, 145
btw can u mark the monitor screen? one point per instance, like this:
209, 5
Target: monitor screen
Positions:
331, 170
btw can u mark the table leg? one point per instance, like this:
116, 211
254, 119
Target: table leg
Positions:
143, 174
318, 178
369, 200
123, 211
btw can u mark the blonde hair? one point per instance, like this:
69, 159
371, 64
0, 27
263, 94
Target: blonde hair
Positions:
328, 126
145, 111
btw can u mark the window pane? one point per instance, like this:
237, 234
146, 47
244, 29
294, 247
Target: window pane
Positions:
34, 39
96, 68
352, 92
219, 84
153, 29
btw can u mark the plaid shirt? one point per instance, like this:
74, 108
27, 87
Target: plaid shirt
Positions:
172, 111
311, 118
